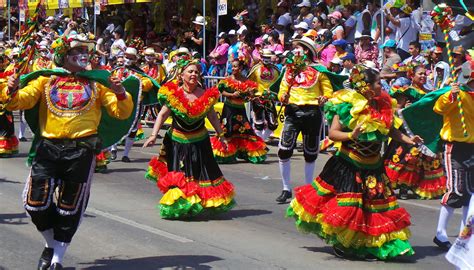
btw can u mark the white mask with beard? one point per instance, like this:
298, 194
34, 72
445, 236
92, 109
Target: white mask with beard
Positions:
266, 60
149, 59
79, 60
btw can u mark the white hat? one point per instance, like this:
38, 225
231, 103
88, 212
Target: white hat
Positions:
222, 34
131, 51
266, 53
231, 32
304, 3
183, 50
149, 51
308, 43
50, 18
336, 61
81, 40
302, 25
200, 20
322, 31
369, 64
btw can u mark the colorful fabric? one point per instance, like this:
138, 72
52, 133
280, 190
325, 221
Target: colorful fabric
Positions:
173, 96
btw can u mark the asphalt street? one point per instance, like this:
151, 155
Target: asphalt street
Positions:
122, 228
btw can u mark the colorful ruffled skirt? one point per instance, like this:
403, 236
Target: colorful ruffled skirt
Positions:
189, 178
407, 166
101, 161
353, 209
8, 140
242, 142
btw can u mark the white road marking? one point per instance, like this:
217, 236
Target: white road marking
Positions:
423, 206
139, 226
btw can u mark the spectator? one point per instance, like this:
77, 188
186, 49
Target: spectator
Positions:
197, 37
364, 20
335, 65
305, 15
336, 26
414, 49
327, 49
391, 58
233, 52
350, 24
405, 32
341, 46
317, 23
300, 29
274, 43
366, 50
118, 46
348, 62
219, 55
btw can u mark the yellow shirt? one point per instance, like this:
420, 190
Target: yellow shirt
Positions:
307, 86
447, 106
264, 76
69, 108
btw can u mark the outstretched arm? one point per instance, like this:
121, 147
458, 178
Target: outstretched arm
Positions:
400, 137
160, 119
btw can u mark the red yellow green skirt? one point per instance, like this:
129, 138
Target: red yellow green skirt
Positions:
248, 147
8, 146
407, 166
354, 209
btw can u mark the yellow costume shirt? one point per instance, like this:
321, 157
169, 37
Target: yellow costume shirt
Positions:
447, 106
264, 76
305, 87
69, 107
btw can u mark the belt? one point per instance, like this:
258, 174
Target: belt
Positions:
92, 142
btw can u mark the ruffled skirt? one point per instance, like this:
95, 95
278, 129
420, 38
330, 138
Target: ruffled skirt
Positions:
407, 166
353, 209
242, 141
190, 180
8, 140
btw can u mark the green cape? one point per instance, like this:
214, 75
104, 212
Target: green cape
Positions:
110, 130
420, 119
336, 79
150, 97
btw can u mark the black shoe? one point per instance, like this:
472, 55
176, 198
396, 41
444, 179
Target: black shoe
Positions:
45, 259
442, 245
125, 159
56, 266
113, 154
285, 195
370, 258
23, 139
339, 252
403, 194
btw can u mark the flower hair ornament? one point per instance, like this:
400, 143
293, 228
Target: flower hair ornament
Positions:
63, 44
358, 83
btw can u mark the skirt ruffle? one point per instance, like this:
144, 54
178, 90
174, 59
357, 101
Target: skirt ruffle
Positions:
248, 147
185, 197
101, 161
407, 166
360, 222
8, 145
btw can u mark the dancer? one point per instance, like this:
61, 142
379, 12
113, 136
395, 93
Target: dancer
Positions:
8, 140
147, 84
303, 89
186, 170
241, 139
406, 165
263, 105
350, 204
68, 137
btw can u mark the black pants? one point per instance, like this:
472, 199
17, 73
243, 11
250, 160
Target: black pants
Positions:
459, 175
65, 166
265, 115
308, 120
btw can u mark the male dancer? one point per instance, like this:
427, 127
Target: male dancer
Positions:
68, 108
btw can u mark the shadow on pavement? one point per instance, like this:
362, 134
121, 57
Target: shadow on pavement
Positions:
124, 170
232, 214
13, 219
157, 262
3, 180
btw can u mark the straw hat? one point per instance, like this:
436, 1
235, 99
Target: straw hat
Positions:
200, 20
307, 43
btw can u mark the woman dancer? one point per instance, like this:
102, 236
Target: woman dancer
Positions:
350, 204
242, 140
406, 165
185, 170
